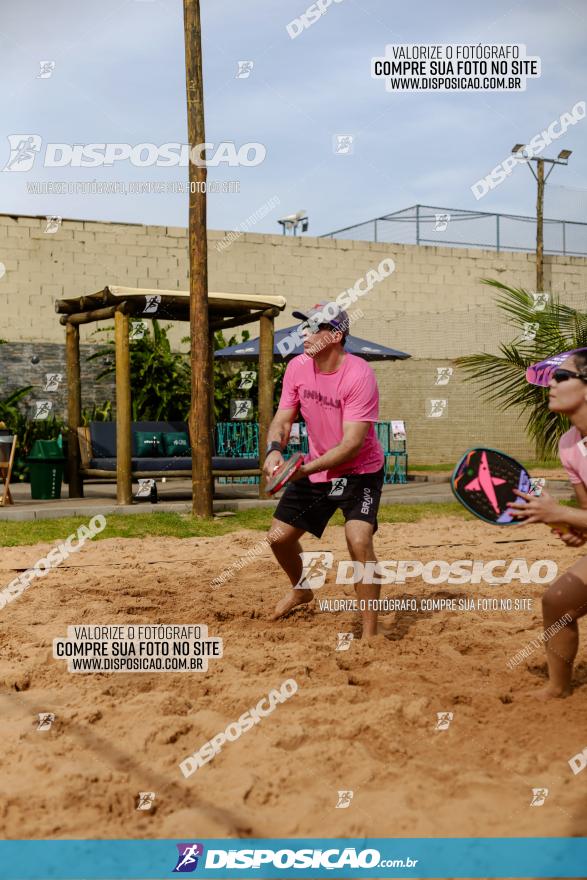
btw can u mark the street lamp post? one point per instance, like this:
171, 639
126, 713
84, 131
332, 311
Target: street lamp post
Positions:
541, 178
540, 181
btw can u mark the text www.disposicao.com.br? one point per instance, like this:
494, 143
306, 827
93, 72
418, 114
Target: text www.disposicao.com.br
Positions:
135, 664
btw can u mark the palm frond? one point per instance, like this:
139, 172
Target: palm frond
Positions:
501, 378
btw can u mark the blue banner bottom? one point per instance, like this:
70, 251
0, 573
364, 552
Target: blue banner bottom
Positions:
530, 857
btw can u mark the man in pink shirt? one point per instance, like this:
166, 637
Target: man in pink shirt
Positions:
336, 394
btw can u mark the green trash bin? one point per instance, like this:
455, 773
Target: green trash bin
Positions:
46, 462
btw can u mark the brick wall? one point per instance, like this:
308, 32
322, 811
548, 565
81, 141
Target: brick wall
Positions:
433, 306
407, 387
28, 363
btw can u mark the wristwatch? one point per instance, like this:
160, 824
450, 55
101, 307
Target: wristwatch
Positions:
274, 446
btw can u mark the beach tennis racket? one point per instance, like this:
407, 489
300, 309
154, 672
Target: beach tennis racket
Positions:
484, 481
283, 473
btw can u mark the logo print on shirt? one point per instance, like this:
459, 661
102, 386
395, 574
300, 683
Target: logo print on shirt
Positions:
322, 398
338, 487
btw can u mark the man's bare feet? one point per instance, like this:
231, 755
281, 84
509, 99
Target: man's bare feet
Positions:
369, 633
372, 637
386, 628
291, 601
548, 692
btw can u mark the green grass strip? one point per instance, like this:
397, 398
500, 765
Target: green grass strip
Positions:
178, 525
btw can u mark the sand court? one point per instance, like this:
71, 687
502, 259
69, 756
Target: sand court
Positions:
427, 725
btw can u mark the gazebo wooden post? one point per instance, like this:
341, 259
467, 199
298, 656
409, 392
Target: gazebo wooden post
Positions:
266, 339
74, 411
211, 401
123, 409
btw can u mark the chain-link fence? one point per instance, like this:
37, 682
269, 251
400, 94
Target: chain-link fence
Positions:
450, 227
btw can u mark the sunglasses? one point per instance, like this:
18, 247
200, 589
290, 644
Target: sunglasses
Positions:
314, 326
562, 376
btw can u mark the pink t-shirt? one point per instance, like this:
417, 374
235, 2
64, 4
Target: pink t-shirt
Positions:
573, 459
325, 401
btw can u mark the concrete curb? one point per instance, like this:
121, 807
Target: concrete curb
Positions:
437, 492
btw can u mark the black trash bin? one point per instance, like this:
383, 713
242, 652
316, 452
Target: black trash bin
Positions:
47, 463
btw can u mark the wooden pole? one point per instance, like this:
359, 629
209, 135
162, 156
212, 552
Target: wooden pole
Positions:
540, 226
123, 410
200, 360
89, 317
240, 320
74, 410
212, 415
81, 304
266, 338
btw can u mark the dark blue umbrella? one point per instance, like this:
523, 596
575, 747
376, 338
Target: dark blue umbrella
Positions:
249, 350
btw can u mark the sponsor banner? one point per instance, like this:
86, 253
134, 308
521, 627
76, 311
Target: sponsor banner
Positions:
271, 858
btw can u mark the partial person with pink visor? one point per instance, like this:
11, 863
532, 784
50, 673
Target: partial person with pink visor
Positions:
565, 600
336, 395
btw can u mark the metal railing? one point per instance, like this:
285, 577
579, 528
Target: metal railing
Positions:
241, 440
453, 227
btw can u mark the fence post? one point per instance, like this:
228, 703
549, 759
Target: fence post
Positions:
497, 231
375, 230
564, 238
417, 224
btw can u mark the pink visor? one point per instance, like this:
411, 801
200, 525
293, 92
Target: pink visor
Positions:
541, 373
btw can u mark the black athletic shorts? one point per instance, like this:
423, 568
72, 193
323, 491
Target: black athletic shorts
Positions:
309, 506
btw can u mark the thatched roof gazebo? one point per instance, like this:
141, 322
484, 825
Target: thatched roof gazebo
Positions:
226, 310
